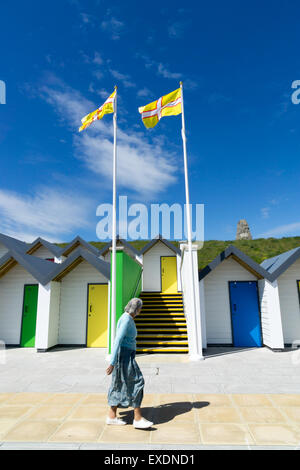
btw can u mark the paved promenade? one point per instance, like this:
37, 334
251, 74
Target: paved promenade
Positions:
83, 370
179, 419
233, 399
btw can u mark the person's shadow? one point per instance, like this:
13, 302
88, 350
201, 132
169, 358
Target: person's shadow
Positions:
165, 412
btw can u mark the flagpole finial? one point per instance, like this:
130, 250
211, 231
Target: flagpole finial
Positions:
180, 83
116, 87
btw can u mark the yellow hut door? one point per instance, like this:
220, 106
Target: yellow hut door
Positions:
97, 316
168, 275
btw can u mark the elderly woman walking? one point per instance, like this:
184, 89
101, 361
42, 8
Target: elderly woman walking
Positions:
127, 384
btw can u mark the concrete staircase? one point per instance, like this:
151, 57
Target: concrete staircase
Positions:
161, 325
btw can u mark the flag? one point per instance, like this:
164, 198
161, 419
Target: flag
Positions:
168, 105
106, 108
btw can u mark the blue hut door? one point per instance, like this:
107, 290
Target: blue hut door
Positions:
245, 316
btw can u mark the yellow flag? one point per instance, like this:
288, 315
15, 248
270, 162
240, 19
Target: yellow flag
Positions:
168, 105
106, 108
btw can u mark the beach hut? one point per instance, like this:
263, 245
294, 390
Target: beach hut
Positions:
74, 304
41, 248
230, 306
78, 242
281, 293
105, 252
161, 266
20, 277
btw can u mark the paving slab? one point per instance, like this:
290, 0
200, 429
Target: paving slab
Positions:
182, 420
233, 399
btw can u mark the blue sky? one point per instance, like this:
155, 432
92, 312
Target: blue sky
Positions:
61, 59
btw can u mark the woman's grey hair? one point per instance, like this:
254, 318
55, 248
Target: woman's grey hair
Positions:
133, 305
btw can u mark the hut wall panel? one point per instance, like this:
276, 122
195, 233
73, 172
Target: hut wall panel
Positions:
43, 253
54, 313
270, 314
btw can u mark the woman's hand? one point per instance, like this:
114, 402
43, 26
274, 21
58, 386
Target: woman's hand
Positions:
109, 369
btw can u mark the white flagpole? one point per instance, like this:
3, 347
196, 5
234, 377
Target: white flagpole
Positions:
114, 225
188, 215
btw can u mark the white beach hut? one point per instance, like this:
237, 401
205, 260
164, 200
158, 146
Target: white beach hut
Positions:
21, 275
281, 294
161, 266
105, 252
78, 242
229, 300
43, 249
73, 307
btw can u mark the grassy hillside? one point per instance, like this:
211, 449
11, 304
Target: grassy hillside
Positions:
258, 249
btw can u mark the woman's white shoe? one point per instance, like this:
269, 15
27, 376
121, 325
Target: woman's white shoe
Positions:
142, 423
117, 421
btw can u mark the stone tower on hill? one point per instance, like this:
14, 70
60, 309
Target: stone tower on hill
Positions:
243, 230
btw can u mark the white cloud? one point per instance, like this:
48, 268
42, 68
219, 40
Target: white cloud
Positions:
148, 62
216, 97
86, 19
265, 212
102, 92
67, 102
143, 92
98, 74
143, 167
92, 88
29, 237
114, 26
97, 59
275, 201
49, 213
176, 29
118, 75
85, 57
283, 230
125, 79
162, 70
190, 84
94, 61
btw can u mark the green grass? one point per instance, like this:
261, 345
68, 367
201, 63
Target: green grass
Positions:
258, 249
